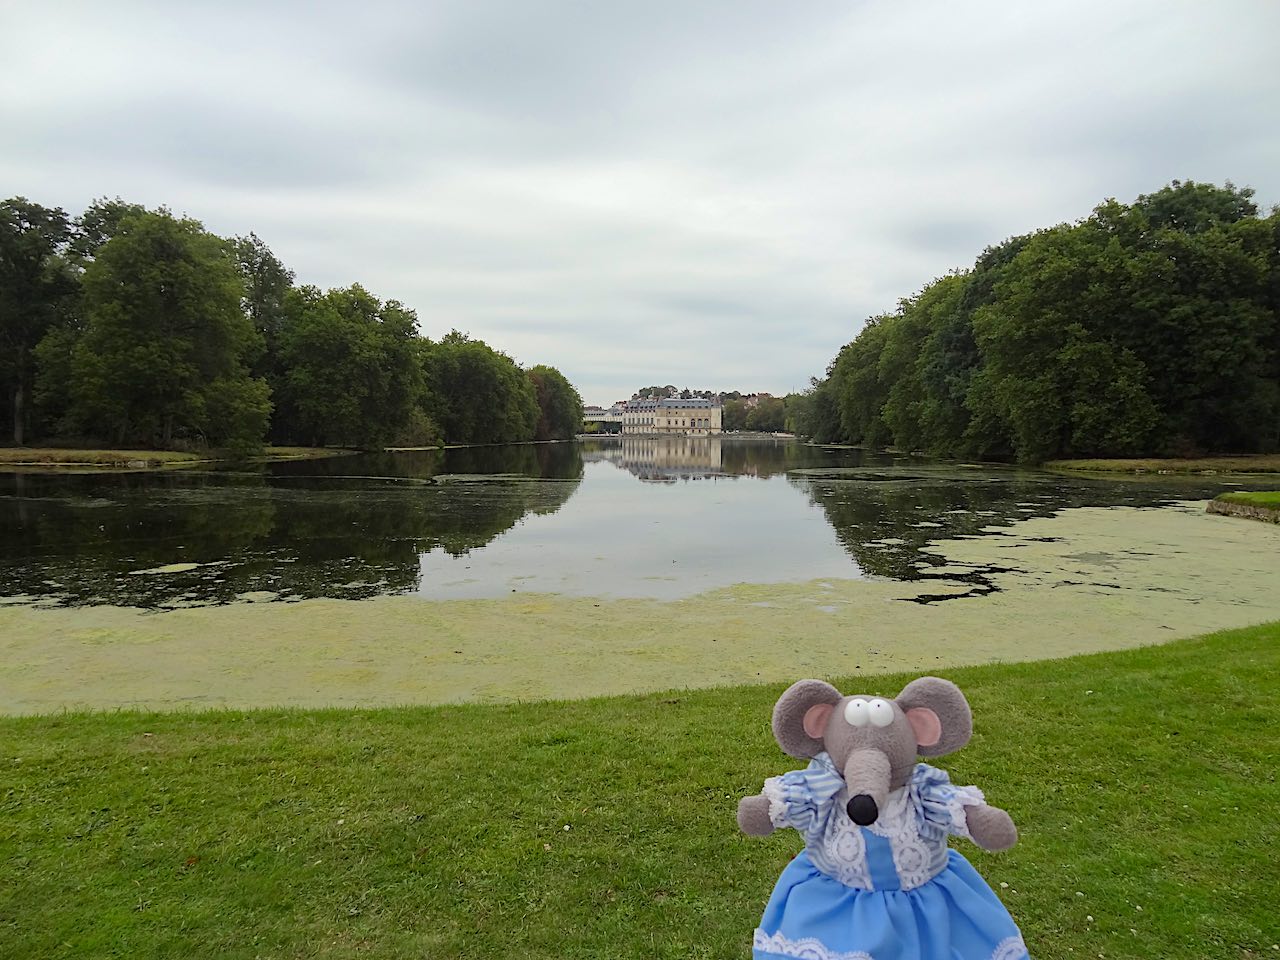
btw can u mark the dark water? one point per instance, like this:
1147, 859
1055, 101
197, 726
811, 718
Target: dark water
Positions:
634, 518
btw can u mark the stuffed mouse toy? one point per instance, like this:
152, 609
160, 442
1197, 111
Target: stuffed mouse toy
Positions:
876, 880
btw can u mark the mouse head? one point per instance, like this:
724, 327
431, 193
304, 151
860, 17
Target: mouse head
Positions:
873, 741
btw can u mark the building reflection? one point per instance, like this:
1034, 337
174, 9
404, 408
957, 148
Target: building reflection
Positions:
668, 459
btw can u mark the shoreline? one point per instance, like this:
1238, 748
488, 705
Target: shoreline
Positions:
55, 458
1243, 463
1085, 580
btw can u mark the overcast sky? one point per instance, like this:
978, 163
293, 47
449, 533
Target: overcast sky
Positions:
714, 195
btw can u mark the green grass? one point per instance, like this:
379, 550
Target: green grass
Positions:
1260, 498
1143, 782
53, 456
1252, 463
122, 458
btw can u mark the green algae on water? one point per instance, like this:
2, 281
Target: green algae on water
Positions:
1084, 580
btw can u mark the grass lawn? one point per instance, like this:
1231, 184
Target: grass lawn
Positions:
1143, 782
1251, 463
1260, 498
52, 456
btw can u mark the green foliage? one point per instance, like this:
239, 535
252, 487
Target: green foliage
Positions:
1144, 329
733, 415
267, 283
54, 358
164, 336
559, 405
814, 412
36, 284
768, 415
101, 221
130, 326
239, 406
862, 392
477, 394
351, 368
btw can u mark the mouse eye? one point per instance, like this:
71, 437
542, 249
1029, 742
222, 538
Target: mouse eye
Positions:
880, 712
855, 711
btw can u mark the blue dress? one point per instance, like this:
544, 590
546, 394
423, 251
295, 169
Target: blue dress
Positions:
890, 891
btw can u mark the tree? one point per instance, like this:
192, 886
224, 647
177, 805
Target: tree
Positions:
166, 347
559, 404
814, 414
351, 367
100, 222
1153, 327
733, 416
267, 283
768, 415
477, 394
861, 391
36, 284
1192, 207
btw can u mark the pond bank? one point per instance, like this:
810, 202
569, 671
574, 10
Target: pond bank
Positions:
1260, 505
1244, 463
1084, 580
57, 457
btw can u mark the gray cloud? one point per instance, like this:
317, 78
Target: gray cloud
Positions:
710, 193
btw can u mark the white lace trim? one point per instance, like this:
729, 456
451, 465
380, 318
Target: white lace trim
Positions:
842, 851
1010, 948
777, 803
963, 797
893, 820
809, 948
916, 859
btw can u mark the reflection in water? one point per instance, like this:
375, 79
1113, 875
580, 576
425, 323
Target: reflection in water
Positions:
667, 459
884, 514
486, 521
293, 530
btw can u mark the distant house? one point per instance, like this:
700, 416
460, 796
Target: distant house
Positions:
673, 416
607, 420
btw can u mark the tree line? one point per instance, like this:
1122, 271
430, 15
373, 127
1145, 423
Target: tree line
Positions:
1151, 328
131, 326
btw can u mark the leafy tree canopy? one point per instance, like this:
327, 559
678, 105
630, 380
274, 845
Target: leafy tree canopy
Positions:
166, 348
1151, 328
36, 284
559, 405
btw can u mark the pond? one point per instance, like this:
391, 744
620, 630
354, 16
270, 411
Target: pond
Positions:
613, 518
581, 569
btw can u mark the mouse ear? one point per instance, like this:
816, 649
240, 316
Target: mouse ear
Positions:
939, 715
800, 717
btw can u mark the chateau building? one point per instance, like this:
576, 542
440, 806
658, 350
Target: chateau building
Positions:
695, 417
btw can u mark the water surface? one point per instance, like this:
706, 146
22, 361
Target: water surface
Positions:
616, 518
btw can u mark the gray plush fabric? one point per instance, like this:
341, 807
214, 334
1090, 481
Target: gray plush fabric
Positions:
868, 771
990, 827
945, 699
788, 716
872, 759
753, 816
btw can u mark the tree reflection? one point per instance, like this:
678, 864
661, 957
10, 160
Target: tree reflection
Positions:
884, 515
304, 530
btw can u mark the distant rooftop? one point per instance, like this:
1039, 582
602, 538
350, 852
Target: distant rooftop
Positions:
693, 403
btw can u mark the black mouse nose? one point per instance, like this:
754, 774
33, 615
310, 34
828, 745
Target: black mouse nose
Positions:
862, 810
